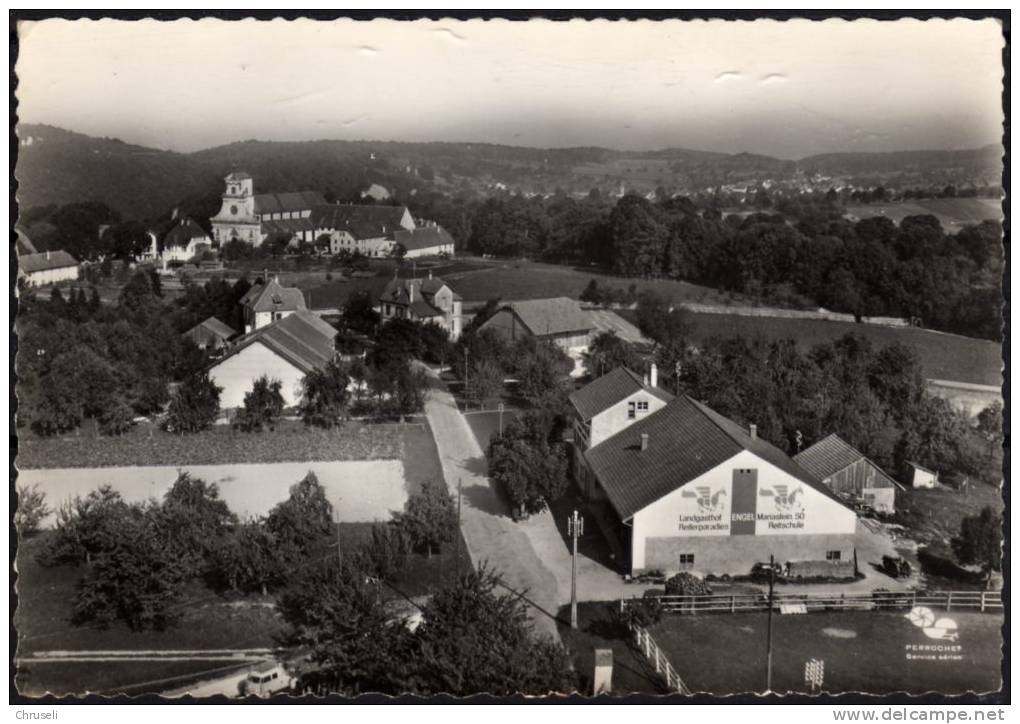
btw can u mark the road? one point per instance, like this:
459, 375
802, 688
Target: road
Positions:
490, 533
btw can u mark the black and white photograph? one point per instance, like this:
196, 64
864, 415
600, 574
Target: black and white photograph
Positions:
656, 359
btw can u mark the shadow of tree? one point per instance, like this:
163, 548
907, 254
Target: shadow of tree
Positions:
485, 499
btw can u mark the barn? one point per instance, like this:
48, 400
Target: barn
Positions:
559, 320
849, 474
285, 350
697, 492
212, 334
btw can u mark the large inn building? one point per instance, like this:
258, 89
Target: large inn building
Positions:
693, 490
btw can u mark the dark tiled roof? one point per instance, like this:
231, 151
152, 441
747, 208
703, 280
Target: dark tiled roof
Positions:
182, 234
46, 260
832, 454
610, 388
423, 237
301, 338
558, 315
398, 291
287, 226
272, 297
685, 440
290, 201
363, 222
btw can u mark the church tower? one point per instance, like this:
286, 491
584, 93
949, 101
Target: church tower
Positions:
237, 218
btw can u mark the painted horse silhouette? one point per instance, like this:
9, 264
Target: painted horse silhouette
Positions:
786, 499
708, 502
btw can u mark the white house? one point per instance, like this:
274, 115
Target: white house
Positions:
428, 239
47, 267
423, 300
699, 493
184, 241
268, 301
285, 350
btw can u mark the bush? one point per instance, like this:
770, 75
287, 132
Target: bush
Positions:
194, 406
31, 510
262, 406
643, 612
685, 584
386, 553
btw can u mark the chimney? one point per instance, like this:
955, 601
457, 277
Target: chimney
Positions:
47, 255
410, 291
754, 431
653, 375
644, 441
430, 273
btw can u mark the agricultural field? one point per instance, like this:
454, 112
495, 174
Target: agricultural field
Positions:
862, 651
943, 356
291, 441
951, 213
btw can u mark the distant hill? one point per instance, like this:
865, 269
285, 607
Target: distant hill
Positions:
56, 166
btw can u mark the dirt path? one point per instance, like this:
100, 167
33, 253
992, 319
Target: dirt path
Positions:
490, 534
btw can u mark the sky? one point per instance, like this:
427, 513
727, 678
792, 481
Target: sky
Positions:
788, 89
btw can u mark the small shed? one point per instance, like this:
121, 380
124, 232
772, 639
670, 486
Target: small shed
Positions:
212, 334
922, 477
849, 473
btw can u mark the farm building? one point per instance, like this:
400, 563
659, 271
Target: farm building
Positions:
922, 477
606, 406
559, 320
285, 350
694, 491
425, 300
268, 301
849, 474
430, 239
212, 334
47, 267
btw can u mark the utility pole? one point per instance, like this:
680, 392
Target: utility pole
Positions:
499, 407
339, 550
575, 528
459, 498
768, 651
465, 372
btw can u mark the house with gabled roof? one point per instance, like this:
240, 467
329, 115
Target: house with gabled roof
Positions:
849, 473
269, 301
559, 320
423, 300
287, 349
429, 239
695, 491
47, 267
186, 239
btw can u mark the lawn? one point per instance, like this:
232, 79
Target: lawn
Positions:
291, 441
942, 356
951, 213
862, 651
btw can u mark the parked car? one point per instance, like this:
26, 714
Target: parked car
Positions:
265, 679
895, 567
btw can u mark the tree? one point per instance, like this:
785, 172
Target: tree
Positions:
541, 368
301, 521
484, 381
529, 469
85, 527
194, 406
429, 519
932, 438
990, 425
659, 322
195, 521
607, 352
359, 313
262, 406
476, 620
592, 293
325, 396
980, 541
132, 579
31, 510
249, 559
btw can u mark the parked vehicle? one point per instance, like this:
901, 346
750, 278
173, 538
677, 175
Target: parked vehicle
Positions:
895, 567
266, 679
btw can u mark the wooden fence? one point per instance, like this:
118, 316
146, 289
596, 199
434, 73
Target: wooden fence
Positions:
982, 601
653, 653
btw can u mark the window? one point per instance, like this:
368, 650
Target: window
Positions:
642, 406
686, 560
631, 411
832, 555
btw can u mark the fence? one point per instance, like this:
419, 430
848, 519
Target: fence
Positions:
982, 601
653, 653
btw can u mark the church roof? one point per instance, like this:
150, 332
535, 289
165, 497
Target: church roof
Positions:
272, 297
290, 201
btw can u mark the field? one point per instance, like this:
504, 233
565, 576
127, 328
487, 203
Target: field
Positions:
291, 441
951, 213
862, 651
943, 356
